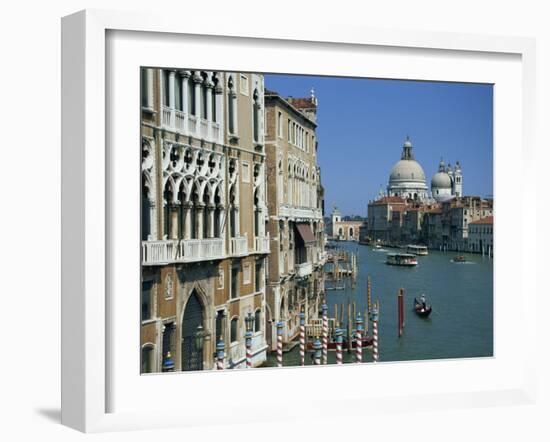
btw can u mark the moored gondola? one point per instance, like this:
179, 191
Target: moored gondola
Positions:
421, 307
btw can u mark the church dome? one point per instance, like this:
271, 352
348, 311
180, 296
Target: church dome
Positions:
441, 180
407, 170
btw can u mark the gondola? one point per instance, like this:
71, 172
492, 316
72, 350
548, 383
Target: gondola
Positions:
422, 309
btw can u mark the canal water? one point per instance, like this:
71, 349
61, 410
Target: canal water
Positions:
461, 295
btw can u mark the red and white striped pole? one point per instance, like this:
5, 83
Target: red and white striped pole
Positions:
324, 309
339, 338
280, 326
248, 340
317, 346
220, 347
359, 339
375, 333
302, 338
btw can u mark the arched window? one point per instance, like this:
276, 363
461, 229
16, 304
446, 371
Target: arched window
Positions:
147, 358
234, 328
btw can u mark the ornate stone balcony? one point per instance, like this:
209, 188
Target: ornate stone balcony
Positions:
262, 244
239, 246
187, 124
181, 251
303, 270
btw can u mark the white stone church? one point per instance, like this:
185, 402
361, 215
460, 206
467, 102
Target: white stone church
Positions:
408, 181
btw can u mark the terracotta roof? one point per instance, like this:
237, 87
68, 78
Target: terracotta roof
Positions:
301, 103
486, 220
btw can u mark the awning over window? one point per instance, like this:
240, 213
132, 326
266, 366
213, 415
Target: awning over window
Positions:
305, 233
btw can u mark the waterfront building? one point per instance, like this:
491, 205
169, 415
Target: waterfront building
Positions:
344, 229
295, 208
380, 216
203, 218
480, 235
457, 214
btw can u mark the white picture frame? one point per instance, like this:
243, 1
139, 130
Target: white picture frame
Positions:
87, 209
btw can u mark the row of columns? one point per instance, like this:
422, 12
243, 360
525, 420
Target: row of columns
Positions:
200, 219
301, 193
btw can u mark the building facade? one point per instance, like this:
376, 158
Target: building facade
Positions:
407, 179
344, 229
295, 208
480, 236
203, 220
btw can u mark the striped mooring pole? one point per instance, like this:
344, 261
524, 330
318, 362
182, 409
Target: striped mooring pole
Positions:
302, 338
359, 339
375, 333
248, 341
325, 333
368, 293
317, 346
400, 312
220, 348
339, 339
280, 326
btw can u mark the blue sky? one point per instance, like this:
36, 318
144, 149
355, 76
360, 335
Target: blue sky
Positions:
363, 123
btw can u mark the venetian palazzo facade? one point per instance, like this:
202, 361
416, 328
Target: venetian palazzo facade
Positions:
295, 207
204, 239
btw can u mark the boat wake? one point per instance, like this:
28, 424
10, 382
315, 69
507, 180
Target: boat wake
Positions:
461, 263
379, 250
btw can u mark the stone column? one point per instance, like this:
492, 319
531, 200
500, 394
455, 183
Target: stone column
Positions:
197, 79
210, 211
187, 206
173, 208
199, 215
172, 89
185, 98
222, 225
209, 85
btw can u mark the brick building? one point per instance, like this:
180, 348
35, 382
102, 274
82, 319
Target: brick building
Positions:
295, 208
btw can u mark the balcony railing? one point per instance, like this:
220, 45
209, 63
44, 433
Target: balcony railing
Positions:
239, 246
173, 251
167, 116
262, 244
188, 124
304, 269
300, 212
201, 249
180, 121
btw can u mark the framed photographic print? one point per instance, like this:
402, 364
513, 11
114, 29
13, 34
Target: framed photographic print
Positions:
275, 212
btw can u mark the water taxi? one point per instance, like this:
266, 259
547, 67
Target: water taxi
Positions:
459, 259
417, 250
401, 259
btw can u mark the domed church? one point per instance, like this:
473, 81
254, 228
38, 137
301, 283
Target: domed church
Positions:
408, 181
407, 178
447, 182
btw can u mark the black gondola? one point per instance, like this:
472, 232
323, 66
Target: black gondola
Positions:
421, 308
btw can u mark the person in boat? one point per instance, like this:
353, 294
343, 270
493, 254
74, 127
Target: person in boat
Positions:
423, 301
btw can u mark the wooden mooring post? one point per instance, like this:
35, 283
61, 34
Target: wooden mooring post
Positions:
400, 312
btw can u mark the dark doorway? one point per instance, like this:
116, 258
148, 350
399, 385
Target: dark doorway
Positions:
191, 356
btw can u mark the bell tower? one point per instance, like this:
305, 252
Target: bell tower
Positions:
457, 180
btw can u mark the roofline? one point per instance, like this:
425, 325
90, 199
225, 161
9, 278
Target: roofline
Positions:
276, 97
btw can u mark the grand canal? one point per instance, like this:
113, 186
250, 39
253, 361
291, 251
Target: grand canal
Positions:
461, 323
